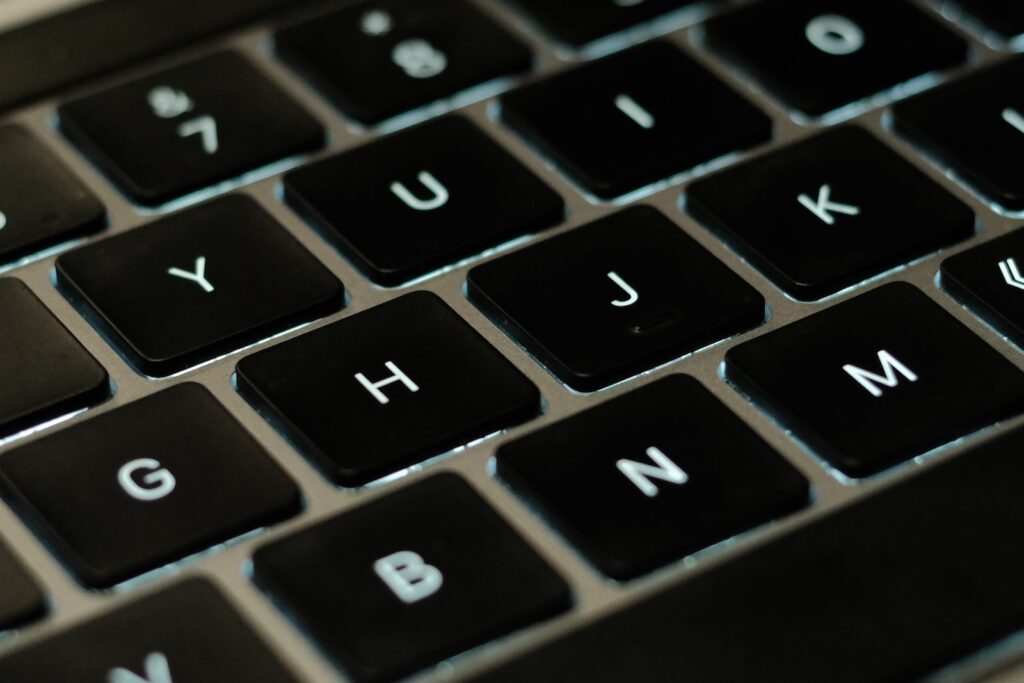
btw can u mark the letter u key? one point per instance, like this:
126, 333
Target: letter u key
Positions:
439, 193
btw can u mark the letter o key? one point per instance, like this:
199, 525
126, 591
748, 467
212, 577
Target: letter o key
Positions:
835, 34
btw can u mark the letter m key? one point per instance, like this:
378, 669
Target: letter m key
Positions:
891, 367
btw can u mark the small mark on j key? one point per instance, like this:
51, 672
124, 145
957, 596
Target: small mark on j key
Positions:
655, 323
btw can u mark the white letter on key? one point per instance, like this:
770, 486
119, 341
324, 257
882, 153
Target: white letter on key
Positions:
632, 296
198, 277
641, 473
824, 207
890, 366
396, 376
408, 576
439, 193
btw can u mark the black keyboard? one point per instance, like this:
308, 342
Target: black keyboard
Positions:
509, 340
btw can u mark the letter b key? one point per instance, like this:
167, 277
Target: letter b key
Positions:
408, 576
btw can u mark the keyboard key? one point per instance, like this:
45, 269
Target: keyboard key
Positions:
990, 279
629, 120
830, 211
578, 22
379, 58
46, 372
976, 126
188, 127
199, 284
41, 202
21, 601
387, 388
892, 588
422, 199
409, 580
184, 634
879, 379
96, 37
819, 56
651, 476
609, 300
146, 484
1005, 18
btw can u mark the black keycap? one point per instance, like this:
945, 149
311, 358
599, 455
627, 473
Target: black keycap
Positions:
41, 203
96, 37
990, 279
611, 299
200, 283
21, 600
188, 127
818, 56
1005, 18
146, 484
422, 199
187, 633
629, 120
830, 211
976, 126
387, 388
578, 22
409, 580
652, 476
892, 588
379, 58
879, 379
45, 371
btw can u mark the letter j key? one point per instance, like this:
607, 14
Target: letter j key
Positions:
614, 298
878, 379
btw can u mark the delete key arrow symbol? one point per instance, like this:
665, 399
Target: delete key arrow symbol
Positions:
1011, 273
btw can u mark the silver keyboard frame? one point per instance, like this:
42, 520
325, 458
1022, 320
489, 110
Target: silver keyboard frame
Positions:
227, 565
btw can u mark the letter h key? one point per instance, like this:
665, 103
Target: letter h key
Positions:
396, 376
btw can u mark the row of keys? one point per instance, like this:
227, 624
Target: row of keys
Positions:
422, 181
651, 476
432, 557
400, 225
626, 281
626, 285
398, 40
188, 132
433, 568
408, 380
